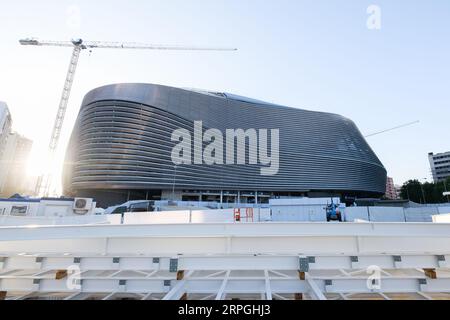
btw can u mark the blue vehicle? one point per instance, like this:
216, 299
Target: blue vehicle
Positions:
333, 212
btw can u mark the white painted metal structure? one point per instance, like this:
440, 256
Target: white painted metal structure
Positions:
46, 207
44, 181
227, 260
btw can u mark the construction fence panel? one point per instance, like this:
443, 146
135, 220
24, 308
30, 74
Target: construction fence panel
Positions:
386, 214
444, 210
356, 213
423, 214
299, 213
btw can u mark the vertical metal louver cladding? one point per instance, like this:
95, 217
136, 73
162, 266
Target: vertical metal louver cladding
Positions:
122, 140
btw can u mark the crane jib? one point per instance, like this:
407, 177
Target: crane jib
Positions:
44, 181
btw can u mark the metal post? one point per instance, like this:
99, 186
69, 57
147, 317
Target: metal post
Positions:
423, 192
445, 188
174, 180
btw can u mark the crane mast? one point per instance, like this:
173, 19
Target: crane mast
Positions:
45, 180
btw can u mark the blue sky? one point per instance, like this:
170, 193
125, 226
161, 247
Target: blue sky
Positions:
316, 55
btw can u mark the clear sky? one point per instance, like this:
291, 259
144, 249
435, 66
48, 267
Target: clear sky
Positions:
316, 55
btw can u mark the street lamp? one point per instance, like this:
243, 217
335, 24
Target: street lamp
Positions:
446, 193
423, 193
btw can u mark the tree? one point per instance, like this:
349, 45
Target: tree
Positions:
412, 190
427, 192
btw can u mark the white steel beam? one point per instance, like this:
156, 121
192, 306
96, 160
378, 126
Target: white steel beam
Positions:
424, 295
112, 275
211, 238
215, 274
262, 257
147, 296
385, 297
212, 288
343, 296
283, 275
221, 291
315, 292
274, 262
73, 296
267, 283
109, 296
151, 274
24, 296
279, 296
345, 273
179, 289
176, 292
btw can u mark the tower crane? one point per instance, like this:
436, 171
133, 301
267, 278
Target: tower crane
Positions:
44, 181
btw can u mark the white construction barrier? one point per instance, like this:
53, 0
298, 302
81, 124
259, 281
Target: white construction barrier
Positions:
421, 214
299, 213
444, 210
202, 216
442, 218
386, 214
353, 214
301, 209
282, 213
194, 216
163, 217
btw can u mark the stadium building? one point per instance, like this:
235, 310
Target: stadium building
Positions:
122, 143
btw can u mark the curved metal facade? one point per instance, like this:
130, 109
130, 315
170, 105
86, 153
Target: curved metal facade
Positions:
122, 141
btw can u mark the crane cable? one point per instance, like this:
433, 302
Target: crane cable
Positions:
394, 128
